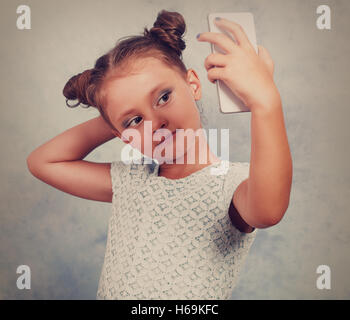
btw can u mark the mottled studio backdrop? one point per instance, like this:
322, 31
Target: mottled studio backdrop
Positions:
62, 238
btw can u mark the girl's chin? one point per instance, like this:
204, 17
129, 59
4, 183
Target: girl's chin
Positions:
162, 157
168, 153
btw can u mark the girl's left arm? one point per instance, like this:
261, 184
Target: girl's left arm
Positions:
270, 176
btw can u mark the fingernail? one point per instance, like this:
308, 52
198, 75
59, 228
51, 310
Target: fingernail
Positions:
198, 35
217, 18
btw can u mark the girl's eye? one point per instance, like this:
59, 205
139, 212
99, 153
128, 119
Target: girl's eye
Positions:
132, 121
166, 96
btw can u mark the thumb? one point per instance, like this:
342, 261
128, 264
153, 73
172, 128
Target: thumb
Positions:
265, 56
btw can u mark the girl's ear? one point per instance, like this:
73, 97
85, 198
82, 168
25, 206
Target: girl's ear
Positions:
194, 82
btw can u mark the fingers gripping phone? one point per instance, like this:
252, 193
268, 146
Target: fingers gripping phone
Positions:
228, 102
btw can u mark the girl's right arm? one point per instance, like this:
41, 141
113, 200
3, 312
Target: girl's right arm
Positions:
58, 162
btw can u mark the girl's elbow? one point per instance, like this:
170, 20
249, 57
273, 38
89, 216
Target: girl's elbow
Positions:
30, 164
272, 217
33, 164
277, 216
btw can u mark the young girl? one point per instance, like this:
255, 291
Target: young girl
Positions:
177, 231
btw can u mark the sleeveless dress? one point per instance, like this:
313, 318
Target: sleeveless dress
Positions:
173, 239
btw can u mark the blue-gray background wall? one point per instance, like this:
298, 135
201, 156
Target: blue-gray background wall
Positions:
62, 238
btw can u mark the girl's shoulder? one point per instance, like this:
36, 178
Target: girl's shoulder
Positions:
125, 171
132, 167
236, 174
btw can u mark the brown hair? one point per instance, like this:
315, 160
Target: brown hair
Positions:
163, 41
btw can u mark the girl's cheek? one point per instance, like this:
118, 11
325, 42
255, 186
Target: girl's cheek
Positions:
136, 141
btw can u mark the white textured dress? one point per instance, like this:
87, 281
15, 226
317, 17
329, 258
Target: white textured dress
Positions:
173, 239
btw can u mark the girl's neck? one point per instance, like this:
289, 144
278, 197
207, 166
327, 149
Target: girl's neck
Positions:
178, 170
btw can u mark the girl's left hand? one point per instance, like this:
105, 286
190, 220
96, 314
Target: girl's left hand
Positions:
247, 74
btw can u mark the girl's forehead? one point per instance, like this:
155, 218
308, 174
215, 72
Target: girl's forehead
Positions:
138, 81
136, 85
144, 64
145, 75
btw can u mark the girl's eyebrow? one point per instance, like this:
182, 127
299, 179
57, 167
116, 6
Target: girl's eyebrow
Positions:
151, 93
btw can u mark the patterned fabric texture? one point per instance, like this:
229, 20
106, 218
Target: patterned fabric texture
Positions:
173, 239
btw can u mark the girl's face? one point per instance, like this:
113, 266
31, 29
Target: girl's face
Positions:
153, 92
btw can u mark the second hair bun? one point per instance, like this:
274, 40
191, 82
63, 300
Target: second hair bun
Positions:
168, 29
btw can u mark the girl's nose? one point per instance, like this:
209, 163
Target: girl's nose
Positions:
159, 131
159, 124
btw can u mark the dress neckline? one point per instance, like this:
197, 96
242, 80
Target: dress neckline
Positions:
156, 171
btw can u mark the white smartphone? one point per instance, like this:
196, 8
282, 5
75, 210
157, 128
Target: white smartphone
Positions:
228, 102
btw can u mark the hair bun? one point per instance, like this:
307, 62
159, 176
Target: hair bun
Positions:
75, 88
168, 29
